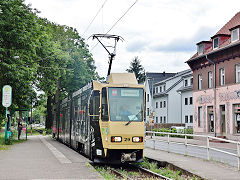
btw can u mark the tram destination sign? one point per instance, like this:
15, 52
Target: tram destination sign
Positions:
7, 96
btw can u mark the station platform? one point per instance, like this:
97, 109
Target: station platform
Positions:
41, 157
202, 168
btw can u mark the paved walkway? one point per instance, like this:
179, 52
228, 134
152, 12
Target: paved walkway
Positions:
203, 168
43, 158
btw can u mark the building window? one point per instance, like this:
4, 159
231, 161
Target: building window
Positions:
164, 104
222, 77
210, 79
161, 104
191, 119
156, 119
161, 119
186, 101
147, 97
186, 119
191, 81
237, 73
200, 116
199, 81
235, 35
160, 88
190, 100
156, 90
147, 111
164, 88
185, 82
164, 119
156, 104
200, 49
215, 43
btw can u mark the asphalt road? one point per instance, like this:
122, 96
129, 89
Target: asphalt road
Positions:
196, 151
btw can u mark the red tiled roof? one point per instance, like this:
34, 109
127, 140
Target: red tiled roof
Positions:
235, 21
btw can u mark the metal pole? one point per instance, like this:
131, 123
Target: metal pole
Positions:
168, 140
154, 144
6, 128
26, 124
238, 151
186, 153
152, 106
208, 153
110, 63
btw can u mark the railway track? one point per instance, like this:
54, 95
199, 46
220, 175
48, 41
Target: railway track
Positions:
138, 171
131, 172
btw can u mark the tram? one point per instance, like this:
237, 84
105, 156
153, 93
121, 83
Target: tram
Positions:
105, 121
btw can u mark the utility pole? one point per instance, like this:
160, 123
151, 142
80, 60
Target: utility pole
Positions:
113, 54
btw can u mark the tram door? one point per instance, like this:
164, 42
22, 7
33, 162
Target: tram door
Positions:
223, 121
210, 119
94, 109
237, 118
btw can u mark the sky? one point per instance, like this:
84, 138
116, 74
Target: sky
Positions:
162, 33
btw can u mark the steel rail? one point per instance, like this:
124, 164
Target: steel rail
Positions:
150, 172
119, 174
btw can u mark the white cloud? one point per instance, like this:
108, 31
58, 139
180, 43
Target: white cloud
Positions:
162, 33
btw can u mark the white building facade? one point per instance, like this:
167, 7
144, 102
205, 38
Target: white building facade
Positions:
151, 79
169, 98
186, 92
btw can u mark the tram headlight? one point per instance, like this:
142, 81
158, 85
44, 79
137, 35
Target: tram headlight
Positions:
116, 139
137, 139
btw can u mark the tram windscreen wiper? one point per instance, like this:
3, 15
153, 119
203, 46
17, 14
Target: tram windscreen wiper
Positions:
132, 118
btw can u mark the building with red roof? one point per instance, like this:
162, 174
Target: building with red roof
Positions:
216, 86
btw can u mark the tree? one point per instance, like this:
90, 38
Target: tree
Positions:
18, 41
38, 54
136, 68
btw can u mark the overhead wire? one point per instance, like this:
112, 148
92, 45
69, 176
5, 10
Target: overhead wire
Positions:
94, 17
116, 22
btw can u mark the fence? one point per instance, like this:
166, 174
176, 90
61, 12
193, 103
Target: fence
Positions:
208, 138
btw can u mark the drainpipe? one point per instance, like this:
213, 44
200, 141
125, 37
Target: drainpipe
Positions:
181, 108
214, 92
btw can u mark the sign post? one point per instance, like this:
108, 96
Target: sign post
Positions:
6, 102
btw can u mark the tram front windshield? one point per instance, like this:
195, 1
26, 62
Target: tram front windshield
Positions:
125, 104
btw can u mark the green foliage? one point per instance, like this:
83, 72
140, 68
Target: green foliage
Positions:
136, 68
13, 141
105, 172
38, 54
33, 132
162, 171
40, 110
174, 130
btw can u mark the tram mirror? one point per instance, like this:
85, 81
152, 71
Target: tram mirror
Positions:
104, 109
94, 103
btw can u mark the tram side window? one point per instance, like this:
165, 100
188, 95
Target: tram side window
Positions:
104, 111
94, 104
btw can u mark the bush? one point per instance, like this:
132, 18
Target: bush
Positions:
174, 130
161, 130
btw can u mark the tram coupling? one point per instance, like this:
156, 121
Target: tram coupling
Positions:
126, 157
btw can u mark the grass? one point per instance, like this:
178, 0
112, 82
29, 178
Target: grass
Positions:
105, 172
13, 141
34, 132
163, 171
